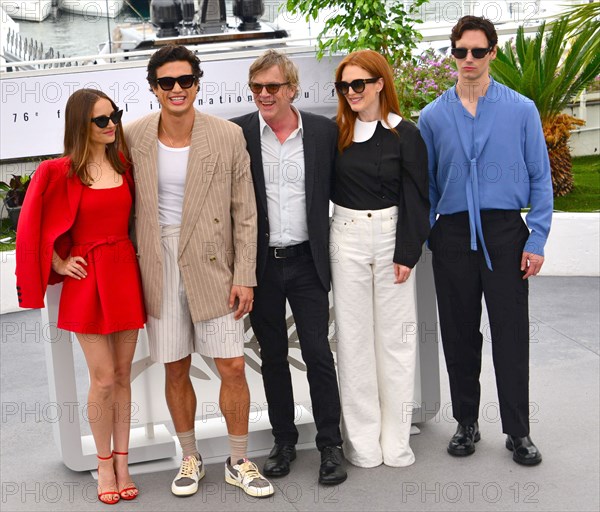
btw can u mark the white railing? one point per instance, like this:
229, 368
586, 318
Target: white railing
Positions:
31, 60
210, 51
31, 51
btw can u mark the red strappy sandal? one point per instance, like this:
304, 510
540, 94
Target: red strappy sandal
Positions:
129, 486
112, 493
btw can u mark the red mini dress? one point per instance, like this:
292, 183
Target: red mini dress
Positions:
110, 298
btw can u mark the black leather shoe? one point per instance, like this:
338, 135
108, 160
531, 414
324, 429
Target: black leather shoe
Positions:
524, 451
278, 463
332, 471
463, 441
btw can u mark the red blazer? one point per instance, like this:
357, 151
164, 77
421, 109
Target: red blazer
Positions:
47, 214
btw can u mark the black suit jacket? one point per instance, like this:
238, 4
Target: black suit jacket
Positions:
320, 140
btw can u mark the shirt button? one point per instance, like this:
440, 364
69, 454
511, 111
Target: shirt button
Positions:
369, 215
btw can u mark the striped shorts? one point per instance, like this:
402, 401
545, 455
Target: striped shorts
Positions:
174, 335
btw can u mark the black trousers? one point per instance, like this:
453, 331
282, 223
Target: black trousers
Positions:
461, 276
296, 280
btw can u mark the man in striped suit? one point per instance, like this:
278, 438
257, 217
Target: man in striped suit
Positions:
195, 221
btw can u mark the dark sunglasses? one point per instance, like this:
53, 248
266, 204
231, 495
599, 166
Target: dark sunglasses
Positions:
357, 85
257, 88
166, 83
478, 53
102, 121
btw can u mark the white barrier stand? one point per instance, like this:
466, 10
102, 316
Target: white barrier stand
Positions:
151, 441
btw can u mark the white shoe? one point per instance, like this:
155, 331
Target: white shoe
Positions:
190, 473
246, 476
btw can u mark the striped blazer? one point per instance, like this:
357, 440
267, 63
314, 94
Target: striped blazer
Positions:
217, 244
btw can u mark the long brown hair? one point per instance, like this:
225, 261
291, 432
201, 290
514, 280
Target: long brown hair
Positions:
78, 126
376, 66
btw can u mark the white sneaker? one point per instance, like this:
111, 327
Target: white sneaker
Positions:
190, 473
246, 476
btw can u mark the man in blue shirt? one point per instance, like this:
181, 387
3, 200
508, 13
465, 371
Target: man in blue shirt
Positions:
487, 160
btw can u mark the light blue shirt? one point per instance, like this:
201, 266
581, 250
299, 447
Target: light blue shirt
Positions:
283, 167
495, 160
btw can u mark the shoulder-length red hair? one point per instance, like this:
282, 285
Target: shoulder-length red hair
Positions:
375, 65
78, 126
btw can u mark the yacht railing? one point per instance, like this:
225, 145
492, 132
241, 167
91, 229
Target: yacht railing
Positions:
28, 52
212, 51
33, 57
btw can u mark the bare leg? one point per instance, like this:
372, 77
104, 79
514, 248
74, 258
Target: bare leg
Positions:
98, 355
234, 398
181, 398
124, 343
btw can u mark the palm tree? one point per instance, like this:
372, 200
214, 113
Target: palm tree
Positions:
551, 69
581, 16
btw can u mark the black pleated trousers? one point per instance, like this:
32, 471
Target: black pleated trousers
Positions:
461, 277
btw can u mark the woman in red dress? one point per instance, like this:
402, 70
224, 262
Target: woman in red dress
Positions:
73, 228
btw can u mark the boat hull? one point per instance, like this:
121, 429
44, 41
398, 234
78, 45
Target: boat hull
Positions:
27, 10
93, 8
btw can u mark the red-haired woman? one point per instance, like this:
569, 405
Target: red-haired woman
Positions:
73, 228
380, 222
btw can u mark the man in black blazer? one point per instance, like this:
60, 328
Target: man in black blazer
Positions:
292, 155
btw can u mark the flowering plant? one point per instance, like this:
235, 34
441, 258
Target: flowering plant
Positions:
423, 79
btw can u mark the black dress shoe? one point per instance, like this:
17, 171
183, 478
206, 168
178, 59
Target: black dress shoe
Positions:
332, 471
524, 451
278, 463
463, 441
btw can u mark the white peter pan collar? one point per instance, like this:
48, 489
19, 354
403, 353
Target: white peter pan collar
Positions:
363, 131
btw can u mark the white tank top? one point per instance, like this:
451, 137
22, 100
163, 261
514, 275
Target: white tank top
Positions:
172, 170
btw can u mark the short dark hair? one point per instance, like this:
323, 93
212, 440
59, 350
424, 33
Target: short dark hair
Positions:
474, 23
172, 53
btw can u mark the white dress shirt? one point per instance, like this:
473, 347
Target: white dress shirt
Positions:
283, 167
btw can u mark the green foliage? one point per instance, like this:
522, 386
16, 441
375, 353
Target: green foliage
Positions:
586, 16
585, 196
423, 79
550, 68
16, 189
7, 235
383, 26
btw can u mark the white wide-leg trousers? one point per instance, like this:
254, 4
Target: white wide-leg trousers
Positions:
376, 326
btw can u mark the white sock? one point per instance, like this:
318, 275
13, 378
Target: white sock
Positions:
238, 446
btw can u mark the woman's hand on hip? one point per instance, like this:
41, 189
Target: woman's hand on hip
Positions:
72, 266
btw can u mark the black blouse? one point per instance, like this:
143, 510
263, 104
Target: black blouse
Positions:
389, 170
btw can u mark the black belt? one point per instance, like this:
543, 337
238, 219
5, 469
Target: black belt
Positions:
291, 251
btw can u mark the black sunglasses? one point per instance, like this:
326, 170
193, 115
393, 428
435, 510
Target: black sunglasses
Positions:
166, 83
478, 53
102, 121
257, 88
357, 85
